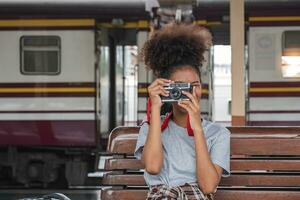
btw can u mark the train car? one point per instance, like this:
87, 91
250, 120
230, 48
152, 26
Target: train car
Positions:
274, 71
47, 98
59, 97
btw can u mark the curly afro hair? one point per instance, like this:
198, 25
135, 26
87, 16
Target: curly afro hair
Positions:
176, 45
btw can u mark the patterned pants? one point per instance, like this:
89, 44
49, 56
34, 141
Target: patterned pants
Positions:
189, 191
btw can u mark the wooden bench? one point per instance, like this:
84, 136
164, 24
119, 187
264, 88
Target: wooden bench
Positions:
265, 164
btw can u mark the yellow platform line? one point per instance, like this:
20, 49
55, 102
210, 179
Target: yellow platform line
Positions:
270, 19
201, 22
44, 90
214, 23
46, 22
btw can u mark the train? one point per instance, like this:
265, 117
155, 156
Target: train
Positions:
71, 72
273, 91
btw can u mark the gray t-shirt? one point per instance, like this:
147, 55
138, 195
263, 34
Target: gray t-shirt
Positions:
179, 165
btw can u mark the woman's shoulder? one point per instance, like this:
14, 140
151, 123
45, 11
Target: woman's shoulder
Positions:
213, 129
145, 121
144, 125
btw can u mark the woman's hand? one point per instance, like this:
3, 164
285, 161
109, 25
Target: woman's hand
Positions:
153, 156
192, 106
155, 89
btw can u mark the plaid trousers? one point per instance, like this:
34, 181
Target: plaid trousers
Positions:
188, 191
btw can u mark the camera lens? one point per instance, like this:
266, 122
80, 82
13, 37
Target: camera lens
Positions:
175, 93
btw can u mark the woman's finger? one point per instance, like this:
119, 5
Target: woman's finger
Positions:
185, 106
158, 91
159, 81
191, 97
189, 104
159, 87
155, 92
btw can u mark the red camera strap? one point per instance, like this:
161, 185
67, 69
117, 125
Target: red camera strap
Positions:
167, 119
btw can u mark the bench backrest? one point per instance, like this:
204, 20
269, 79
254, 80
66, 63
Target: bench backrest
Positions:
256, 159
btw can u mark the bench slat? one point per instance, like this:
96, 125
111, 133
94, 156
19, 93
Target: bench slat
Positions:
122, 164
263, 130
235, 164
234, 130
125, 144
220, 195
262, 180
245, 164
121, 131
234, 179
265, 146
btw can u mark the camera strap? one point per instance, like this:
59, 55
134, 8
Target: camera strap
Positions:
167, 119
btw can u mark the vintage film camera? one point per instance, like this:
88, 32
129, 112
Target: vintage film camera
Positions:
175, 92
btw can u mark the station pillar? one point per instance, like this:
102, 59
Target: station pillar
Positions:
145, 77
237, 41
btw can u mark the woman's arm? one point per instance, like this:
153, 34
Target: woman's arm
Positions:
208, 174
152, 156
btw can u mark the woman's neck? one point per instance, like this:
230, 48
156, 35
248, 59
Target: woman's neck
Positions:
179, 118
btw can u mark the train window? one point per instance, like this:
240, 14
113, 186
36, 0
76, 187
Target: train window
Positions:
290, 60
40, 55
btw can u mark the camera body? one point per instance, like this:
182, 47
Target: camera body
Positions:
175, 92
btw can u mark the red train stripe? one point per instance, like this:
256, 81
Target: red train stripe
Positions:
45, 111
47, 28
273, 23
48, 84
274, 84
60, 89
40, 95
48, 132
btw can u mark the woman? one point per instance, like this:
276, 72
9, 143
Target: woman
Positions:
185, 158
